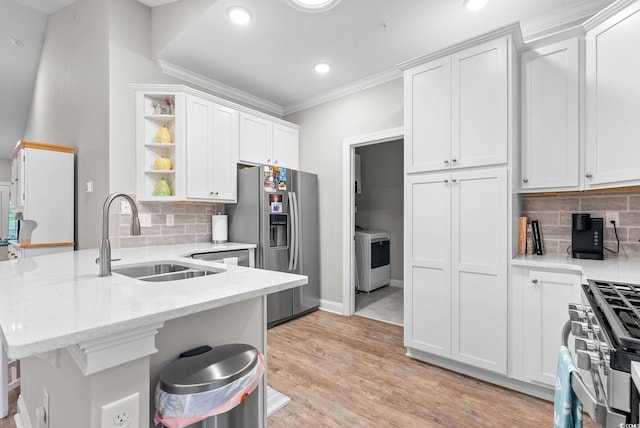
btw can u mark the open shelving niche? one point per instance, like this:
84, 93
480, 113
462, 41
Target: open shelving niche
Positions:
149, 148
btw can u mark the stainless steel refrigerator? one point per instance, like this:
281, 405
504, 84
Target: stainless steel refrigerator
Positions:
277, 210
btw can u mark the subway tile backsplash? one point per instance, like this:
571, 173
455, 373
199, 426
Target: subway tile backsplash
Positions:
191, 224
553, 211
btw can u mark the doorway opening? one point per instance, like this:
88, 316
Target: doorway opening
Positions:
373, 210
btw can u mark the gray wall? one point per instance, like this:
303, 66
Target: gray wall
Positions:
5, 170
380, 205
71, 106
323, 129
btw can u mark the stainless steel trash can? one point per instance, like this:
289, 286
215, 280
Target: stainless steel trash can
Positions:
205, 369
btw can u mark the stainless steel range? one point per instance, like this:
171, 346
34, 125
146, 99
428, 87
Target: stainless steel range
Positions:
606, 328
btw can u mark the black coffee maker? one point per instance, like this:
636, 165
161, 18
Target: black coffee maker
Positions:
587, 237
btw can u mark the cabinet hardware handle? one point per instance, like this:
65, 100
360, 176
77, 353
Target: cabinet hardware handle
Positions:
588, 175
446, 180
525, 180
535, 281
453, 180
454, 160
268, 160
446, 161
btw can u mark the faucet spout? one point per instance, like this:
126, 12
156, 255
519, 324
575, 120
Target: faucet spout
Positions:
105, 245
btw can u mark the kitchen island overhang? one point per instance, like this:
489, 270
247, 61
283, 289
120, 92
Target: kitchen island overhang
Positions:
55, 310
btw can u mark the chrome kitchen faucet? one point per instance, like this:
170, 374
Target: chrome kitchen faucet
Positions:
105, 245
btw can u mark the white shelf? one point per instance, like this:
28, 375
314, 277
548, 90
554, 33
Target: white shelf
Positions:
160, 171
161, 117
162, 145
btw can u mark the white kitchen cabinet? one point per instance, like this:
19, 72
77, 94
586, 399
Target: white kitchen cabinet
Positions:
458, 109
550, 140
540, 307
211, 151
456, 248
264, 142
42, 191
613, 100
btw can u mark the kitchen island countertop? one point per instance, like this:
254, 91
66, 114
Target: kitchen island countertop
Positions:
53, 301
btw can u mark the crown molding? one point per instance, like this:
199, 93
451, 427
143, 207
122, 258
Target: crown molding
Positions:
220, 88
342, 91
512, 30
562, 19
608, 12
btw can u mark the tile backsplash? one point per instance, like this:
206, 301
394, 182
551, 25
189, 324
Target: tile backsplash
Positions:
191, 224
553, 211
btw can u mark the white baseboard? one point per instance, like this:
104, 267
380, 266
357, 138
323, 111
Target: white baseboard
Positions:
396, 283
329, 306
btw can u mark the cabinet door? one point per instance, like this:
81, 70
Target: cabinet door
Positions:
550, 117
285, 146
547, 295
18, 166
479, 268
480, 107
427, 92
199, 152
612, 101
256, 138
427, 297
225, 153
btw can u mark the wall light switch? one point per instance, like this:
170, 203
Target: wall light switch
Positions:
169, 219
88, 187
145, 220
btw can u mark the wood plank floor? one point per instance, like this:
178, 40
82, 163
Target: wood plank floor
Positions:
352, 372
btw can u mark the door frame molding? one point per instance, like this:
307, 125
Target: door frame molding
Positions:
349, 145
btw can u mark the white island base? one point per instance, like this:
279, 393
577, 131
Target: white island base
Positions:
76, 398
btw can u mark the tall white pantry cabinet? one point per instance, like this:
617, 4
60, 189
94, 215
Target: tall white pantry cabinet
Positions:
459, 137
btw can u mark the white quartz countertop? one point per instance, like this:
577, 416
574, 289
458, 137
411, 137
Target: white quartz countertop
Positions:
618, 270
53, 301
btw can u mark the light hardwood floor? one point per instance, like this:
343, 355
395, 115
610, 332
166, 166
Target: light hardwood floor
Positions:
352, 372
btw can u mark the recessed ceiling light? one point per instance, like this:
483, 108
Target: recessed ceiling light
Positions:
474, 4
322, 67
313, 5
239, 15
16, 42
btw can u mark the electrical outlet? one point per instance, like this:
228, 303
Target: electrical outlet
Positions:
45, 405
169, 219
125, 208
145, 220
123, 413
612, 216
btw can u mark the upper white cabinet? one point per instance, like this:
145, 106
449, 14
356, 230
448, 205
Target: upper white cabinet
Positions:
211, 151
613, 101
456, 249
550, 139
199, 136
264, 142
459, 109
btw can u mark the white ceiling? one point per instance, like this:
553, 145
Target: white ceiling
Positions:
269, 62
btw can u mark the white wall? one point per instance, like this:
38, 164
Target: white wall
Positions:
70, 104
380, 205
323, 129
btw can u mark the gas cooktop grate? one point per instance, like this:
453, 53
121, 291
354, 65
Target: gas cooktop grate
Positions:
620, 304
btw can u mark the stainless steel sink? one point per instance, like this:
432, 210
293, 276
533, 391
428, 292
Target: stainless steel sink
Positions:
165, 271
147, 270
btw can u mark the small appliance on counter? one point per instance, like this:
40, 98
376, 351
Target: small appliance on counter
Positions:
587, 237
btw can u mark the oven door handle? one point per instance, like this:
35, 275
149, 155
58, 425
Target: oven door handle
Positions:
598, 410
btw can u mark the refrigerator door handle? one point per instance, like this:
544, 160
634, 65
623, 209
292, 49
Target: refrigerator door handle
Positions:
297, 236
293, 219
